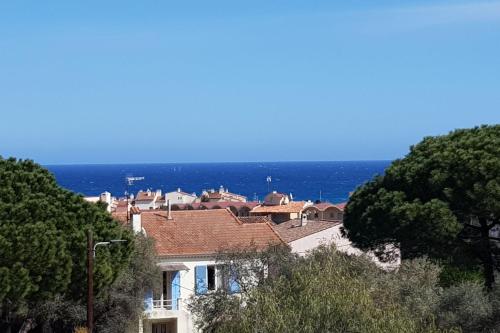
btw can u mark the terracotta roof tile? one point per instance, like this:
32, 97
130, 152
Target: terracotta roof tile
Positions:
222, 204
255, 219
341, 205
143, 196
292, 207
120, 216
204, 232
291, 230
274, 198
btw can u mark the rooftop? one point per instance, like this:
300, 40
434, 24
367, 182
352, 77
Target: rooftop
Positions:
145, 195
291, 230
292, 207
220, 204
204, 232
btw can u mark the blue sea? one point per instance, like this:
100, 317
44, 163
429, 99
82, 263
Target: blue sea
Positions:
328, 181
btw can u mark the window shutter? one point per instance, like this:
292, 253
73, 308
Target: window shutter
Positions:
234, 286
148, 301
200, 277
176, 289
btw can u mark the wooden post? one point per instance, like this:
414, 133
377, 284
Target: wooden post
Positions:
90, 282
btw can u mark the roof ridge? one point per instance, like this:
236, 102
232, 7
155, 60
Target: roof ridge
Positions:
275, 232
232, 214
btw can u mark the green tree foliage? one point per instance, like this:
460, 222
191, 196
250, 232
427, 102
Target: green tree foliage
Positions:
330, 291
441, 201
119, 306
43, 242
327, 291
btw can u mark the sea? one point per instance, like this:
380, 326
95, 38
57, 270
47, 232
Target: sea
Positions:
325, 181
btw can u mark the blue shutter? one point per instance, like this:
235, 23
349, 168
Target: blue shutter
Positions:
234, 286
200, 277
148, 301
176, 289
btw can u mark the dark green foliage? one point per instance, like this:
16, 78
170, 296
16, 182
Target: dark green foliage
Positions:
329, 291
120, 306
43, 242
441, 200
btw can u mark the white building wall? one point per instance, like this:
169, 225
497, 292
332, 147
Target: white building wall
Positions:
180, 198
187, 289
333, 235
146, 205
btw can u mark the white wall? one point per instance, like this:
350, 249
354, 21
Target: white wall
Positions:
187, 282
334, 235
179, 198
146, 205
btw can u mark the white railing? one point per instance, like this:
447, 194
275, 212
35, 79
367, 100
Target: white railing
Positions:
166, 304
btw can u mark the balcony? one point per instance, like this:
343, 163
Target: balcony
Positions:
166, 304
162, 308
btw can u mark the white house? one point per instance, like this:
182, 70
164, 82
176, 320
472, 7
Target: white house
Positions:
103, 197
222, 195
148, 199
178, 197
303, 235
187, 243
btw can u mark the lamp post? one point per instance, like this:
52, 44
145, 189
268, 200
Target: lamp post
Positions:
91, 247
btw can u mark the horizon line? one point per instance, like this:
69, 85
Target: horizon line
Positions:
222, 162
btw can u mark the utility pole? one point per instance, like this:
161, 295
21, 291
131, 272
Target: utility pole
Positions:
90, 282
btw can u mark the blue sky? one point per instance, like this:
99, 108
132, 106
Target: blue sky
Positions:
111, 82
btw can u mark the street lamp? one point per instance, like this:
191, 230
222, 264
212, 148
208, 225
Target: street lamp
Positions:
106, 243
90, 276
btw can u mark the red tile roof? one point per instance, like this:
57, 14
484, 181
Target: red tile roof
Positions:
215, 195
120, 216
274, 198
291, 230
292, 207
341, 205
145, 196
204, 232
222, 204
254, 219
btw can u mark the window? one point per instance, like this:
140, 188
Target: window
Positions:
211, 277
204, 279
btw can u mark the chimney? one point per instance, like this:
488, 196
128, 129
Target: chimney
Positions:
136, 220
169, 210
303, 220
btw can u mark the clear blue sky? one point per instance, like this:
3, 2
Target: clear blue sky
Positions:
165, 81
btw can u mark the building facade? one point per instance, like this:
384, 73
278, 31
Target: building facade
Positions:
187, 244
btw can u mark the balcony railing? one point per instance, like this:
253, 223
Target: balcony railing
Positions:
166, 304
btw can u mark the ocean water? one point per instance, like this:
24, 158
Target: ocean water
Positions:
330, 181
